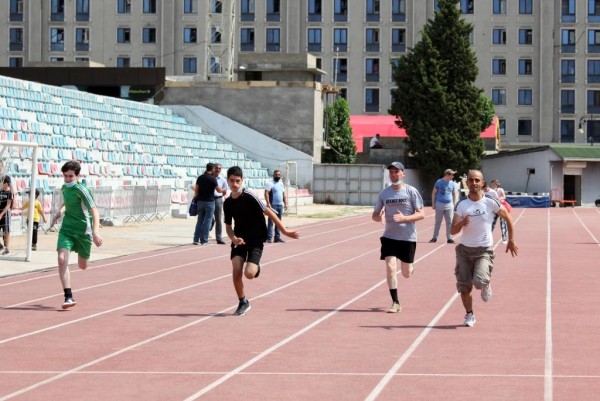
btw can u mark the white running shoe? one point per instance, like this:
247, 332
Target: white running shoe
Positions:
395, 308
69, 303
469, 320
486, 292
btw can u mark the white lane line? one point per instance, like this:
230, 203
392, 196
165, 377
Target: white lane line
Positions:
586, 228
223, 256
548, 358
176, 330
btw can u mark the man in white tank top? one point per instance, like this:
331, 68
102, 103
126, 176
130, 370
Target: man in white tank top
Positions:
475, 252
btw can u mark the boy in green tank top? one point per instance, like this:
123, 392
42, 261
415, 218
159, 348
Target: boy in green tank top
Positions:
79, 227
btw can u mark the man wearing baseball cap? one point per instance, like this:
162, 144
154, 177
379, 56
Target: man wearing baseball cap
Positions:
443, 198
401, 205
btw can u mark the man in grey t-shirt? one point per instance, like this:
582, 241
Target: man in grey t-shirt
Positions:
402, 206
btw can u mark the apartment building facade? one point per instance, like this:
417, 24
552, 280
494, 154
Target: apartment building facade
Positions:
539, 61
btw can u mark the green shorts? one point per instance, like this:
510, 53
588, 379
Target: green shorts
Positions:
81, 244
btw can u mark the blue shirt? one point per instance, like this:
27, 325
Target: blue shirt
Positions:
445, 191
275, 192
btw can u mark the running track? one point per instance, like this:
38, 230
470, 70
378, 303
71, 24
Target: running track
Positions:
158, 326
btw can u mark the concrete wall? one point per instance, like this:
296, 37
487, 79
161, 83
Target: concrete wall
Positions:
284, 111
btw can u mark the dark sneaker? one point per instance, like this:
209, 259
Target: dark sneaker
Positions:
69, 303
34, 247
269, 241
279, 240
220, 242
451, 241
257, 272
242, 308
433, 240
5, 251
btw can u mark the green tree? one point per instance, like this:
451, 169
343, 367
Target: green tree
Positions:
339, 134
436, 101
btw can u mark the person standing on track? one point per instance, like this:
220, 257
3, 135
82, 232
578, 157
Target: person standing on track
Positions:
402, 206
248, 234
78, 229
475, 252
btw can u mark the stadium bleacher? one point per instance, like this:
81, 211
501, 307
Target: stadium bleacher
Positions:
118, 142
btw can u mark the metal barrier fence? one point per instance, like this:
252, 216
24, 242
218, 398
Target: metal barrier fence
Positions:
118, 205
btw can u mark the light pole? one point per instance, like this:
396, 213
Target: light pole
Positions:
582, 120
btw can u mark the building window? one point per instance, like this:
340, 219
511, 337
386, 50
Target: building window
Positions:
467, 6
148, 62
567, 11
567, 40
499, 7
502, 126
123, 61
340, 40
314, 10
57, 39
593, 10
340, 70
247, 40
373, 10
525, 97
273, 10
57, 10
340, 10
524, 127
398, 10
567, 131
149, 35
593, 102
16, 10
16, 40
247, 11
216, 6
498, 66
15, 62
525, 36
399, 40
123, 35
190, 6
189, 35
190, 65
372, 100
525, 6
567, 71
525, 66
55, 59
372, 40
215, 34
319, 63
82, 59
593, 71
149, 7
214, 65
82, 39
273, 40
124, 6
594, 41
314, 39
499, 97
372, 70
82, 10
499, 36
567, 101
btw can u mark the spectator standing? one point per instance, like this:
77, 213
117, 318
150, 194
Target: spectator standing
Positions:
38, 214
6, 200
276, 199
443, 198
219, 199
206, 185
402, 206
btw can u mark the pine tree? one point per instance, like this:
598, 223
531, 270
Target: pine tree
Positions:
339, 134
436, 101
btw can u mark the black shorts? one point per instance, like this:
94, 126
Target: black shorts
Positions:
5, 223
250, 253
403, 250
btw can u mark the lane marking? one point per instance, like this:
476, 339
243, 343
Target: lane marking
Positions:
548, 354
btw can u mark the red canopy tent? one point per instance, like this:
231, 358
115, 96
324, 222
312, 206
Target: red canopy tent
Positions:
368, 126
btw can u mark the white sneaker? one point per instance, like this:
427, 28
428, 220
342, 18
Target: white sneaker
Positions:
469, 320
69, 303
486, 292
395, 308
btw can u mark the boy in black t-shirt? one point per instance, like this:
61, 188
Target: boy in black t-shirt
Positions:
249, 233
6, 199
